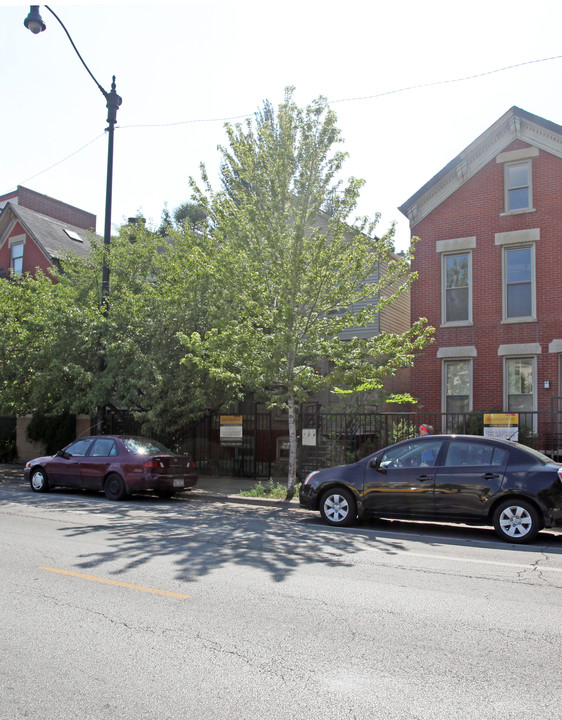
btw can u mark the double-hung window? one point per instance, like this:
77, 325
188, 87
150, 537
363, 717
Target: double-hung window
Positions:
16, 258
457, 385
519, 283
457, 290
518, 195
518, 179
520, 384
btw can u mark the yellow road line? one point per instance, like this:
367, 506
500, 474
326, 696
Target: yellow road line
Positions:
114, 582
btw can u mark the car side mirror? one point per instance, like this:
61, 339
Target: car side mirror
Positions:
375, 464
62, 454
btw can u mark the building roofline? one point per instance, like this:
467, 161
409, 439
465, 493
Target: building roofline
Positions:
506, 120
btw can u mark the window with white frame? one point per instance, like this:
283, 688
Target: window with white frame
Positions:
456, 284
519, 283
16, 258
518, 187
457, 385
520, 384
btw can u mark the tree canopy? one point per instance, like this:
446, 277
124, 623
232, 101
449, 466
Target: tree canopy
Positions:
61, 352
267, 289
294, 277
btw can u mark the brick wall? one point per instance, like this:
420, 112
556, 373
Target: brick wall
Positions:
475, 210
56, 209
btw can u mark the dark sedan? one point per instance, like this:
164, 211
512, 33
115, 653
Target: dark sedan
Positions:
117, 464
453, 478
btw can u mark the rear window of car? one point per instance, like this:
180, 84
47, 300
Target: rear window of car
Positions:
142, 446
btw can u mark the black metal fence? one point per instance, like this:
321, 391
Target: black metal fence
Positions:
324, 438
327, 439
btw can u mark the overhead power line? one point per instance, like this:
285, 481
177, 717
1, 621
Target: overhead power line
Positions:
363, 97
340, 100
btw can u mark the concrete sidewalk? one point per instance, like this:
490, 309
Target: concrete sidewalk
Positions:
208, 486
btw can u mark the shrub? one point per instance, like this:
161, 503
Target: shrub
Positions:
54, 431
8, 446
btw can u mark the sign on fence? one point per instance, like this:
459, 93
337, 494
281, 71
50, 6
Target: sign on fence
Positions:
309, 436
231, 430
501, 425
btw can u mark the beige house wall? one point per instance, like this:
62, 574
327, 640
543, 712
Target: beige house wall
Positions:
27, 450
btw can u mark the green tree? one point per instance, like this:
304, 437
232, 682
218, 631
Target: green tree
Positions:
60, 353
192, 212
294, 278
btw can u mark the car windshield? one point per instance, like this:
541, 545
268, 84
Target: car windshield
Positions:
143, 446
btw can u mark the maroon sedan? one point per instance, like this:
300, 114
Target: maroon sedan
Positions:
117, 464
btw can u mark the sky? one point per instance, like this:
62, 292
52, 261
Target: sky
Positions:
412, 84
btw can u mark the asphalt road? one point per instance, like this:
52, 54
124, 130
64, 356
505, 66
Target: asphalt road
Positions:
203, 609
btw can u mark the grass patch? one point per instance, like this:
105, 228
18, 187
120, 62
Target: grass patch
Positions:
269, 489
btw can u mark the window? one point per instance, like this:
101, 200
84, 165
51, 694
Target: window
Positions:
79, 448
457, 299
519, 283
518, 186
415, 453
457, 381
461, 453
520, 384
16, 258
104, 447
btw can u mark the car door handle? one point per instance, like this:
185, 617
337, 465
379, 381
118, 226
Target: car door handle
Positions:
490, 476
424, 478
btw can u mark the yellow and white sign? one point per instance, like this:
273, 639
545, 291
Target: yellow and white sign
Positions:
502, 425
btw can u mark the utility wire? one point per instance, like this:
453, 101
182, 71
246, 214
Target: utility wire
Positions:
365, 97
341, 100
63, 160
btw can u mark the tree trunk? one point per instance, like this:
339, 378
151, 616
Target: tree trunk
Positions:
292, 479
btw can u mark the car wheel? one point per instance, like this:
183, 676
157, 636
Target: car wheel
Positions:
114, 487
337, 507
39, 481
516, 521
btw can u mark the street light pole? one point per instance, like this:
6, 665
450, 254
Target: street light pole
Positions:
34, 22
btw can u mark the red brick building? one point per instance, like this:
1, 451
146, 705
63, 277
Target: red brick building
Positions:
488, 259
36, 230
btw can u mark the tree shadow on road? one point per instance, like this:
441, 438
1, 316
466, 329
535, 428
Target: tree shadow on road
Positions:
203, 535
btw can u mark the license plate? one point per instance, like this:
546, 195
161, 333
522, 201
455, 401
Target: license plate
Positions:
178, 482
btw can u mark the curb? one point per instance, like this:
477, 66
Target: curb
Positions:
13, 477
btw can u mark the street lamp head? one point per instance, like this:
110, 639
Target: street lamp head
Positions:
34, 21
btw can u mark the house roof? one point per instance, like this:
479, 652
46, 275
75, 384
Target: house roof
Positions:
516, 123
53, 237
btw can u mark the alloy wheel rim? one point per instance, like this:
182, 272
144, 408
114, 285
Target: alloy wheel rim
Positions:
515, 521
336, 508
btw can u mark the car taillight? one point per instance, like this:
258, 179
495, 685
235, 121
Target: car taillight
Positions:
560, 474
152, 465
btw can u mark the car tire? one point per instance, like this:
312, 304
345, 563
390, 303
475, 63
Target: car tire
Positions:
39, 481
516, 521
338, 507
114, 487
